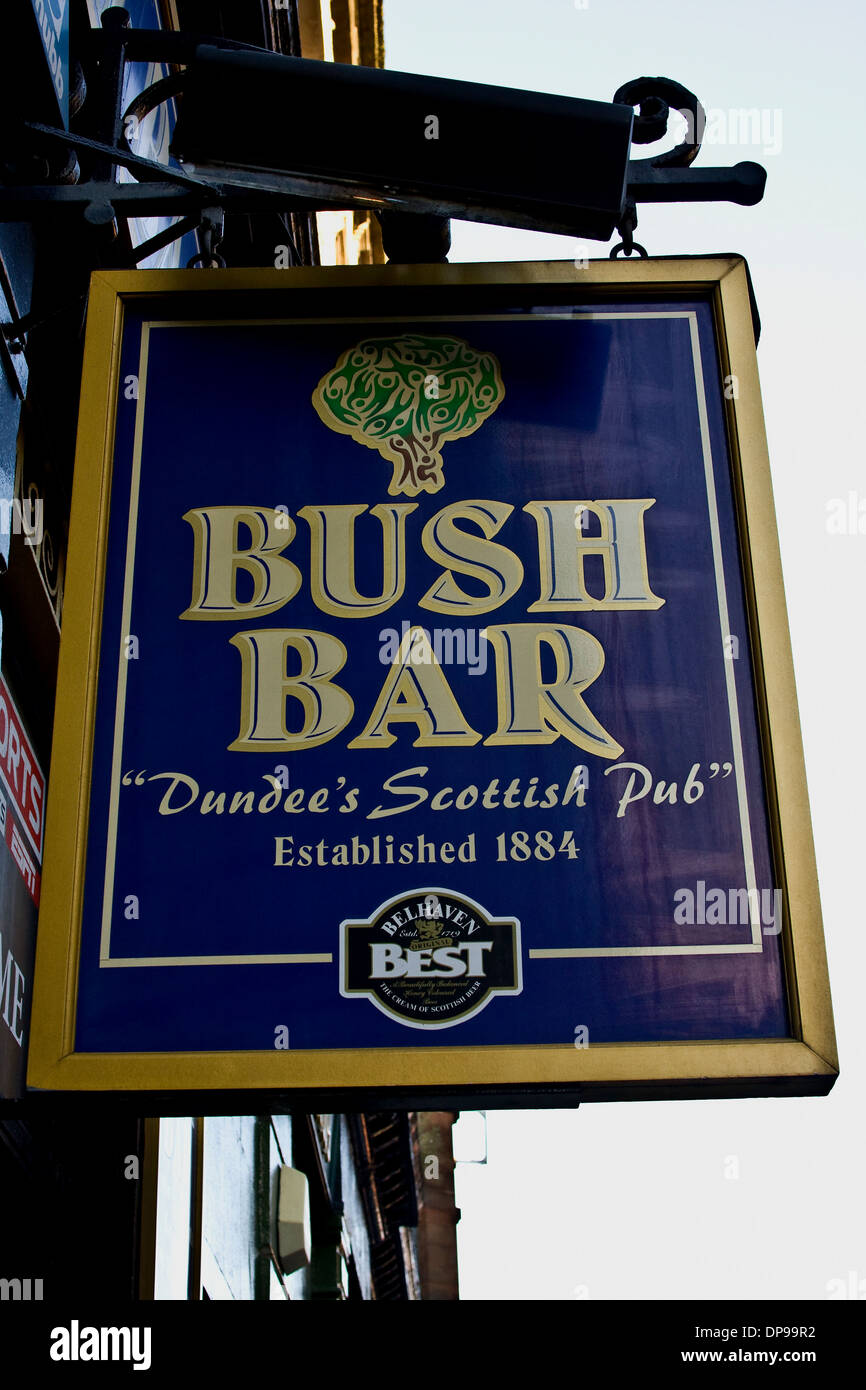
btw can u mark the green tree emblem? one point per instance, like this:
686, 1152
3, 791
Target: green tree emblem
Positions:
407, 397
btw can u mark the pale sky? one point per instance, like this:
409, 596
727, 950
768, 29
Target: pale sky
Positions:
632, 1201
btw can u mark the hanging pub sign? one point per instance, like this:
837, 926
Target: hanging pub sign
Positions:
426, 722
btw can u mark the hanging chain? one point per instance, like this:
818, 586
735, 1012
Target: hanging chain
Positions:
626, 227
211, 233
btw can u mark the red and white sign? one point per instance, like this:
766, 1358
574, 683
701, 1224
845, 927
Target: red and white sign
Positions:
20, 772
22, 857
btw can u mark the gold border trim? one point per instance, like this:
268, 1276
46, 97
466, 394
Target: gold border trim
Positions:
444, 1067
53, 1064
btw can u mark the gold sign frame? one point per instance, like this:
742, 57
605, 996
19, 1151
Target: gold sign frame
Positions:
804, 1063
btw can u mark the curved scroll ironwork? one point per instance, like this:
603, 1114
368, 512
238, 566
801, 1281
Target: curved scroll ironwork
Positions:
656, 96
140, 108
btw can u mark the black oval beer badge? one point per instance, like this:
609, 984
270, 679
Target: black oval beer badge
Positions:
430, 959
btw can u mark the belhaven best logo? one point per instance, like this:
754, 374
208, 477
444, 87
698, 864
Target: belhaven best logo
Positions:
430, 959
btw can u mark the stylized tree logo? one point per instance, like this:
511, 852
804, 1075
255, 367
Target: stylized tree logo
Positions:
407, 397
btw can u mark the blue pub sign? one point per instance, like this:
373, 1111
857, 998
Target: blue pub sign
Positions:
426, 716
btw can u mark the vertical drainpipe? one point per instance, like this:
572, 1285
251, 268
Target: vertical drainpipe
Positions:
262, 1207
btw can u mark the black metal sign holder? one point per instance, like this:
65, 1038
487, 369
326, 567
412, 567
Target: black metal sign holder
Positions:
409, 235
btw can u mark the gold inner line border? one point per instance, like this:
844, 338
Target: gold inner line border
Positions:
136, 962
122, 662
539, 953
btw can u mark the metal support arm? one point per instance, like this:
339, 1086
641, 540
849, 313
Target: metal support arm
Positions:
165, 191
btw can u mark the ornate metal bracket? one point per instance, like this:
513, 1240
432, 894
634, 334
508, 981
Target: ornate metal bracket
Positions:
656, 96
668, 177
